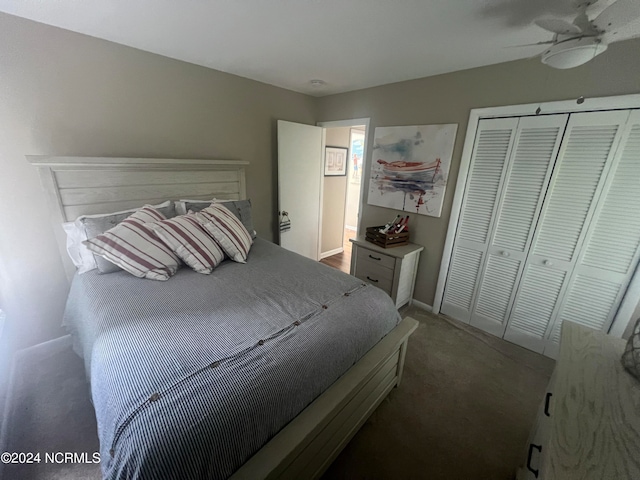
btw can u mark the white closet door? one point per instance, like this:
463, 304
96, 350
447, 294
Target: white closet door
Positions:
584, 159
535, 150
610, 252
492, 149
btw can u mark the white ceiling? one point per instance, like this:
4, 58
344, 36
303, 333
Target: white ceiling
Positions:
350, 44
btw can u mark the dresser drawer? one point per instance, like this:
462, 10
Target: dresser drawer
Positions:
386, 261
376, 275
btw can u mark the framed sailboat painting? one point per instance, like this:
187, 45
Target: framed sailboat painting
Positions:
410, 167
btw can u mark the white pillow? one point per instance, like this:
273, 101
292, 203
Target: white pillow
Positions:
80, 255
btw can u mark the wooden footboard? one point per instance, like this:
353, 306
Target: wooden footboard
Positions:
310, 442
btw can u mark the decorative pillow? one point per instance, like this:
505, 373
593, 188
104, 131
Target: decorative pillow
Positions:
240, 208
134, 247
189, 240
227, 230
91, 226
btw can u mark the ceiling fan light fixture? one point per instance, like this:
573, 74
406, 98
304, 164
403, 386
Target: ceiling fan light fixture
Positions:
572, 53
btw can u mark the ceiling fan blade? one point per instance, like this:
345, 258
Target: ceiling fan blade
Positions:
583, 4
617, 15
548, 42
558, 25
613, 37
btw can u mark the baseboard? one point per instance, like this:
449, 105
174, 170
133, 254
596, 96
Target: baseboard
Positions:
421, 305
335, 251
349, 227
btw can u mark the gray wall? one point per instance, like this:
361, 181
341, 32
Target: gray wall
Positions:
334, 196
449, 98
63, 93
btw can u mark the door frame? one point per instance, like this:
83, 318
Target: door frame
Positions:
619, 102
361, 176
354, 122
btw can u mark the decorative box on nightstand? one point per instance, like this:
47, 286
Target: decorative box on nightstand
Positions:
390, 269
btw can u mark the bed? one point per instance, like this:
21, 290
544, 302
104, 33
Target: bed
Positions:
259, 370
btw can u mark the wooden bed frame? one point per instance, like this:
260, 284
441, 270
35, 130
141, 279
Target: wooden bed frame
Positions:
310, 442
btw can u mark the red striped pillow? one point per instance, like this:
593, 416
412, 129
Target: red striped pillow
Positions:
134, 247
189, 240
227, 230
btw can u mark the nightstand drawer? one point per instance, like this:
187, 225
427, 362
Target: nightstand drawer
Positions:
375, 257
375, 275
393, 271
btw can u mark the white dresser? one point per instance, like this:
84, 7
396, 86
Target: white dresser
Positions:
390, 269
588, 426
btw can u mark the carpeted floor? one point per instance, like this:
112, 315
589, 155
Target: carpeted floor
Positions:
463, 411
49, 410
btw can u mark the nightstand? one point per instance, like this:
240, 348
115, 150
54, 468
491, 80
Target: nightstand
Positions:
390, 269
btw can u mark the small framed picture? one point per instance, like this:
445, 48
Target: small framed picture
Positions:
335, 161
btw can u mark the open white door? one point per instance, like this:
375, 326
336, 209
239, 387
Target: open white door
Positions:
299, 181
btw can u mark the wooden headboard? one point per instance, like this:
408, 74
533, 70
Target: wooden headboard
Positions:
88, 185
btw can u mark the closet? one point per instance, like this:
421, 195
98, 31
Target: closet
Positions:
549, 228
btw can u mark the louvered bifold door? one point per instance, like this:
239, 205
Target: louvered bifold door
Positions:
585, 157
491, 152
609, 255
534, 153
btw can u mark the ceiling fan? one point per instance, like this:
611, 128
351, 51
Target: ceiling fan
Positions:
576, 43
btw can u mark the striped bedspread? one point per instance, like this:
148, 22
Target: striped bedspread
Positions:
190, 377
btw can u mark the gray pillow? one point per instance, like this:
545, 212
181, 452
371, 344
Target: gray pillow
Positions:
92, 226
240, 208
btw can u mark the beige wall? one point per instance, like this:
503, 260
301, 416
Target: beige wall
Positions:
334, 196
63, 93
449, 98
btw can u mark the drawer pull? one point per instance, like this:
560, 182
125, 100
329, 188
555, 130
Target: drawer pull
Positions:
546, 404
375, 258
531, 447
371, 279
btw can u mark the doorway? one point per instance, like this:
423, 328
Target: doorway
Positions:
313, 200
341, 196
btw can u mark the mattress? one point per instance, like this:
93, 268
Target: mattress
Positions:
190, 377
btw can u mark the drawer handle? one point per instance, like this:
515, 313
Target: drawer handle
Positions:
531, 447
546, 404
375, 258
371, 279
